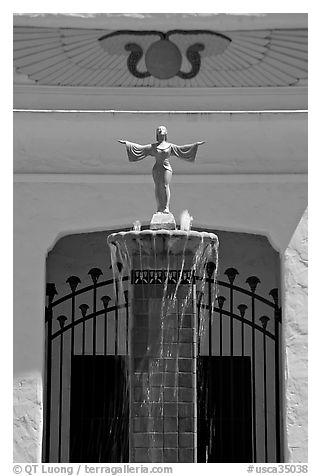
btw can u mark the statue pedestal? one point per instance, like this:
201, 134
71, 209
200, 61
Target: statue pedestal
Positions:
163, 221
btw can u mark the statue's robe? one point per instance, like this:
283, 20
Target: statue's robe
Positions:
138, 152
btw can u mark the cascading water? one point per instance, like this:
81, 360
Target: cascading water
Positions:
166, 269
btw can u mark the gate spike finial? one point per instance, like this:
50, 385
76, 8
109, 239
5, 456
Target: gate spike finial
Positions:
105, 300
242, 308
231, 274
62, 319
221, 300
83, 308
51, 291
73, 282
275, 295
253, 281
94, 274
264, 320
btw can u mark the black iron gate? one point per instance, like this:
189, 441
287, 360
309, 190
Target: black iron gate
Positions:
239, 413
99, 412
224, 416
239, 358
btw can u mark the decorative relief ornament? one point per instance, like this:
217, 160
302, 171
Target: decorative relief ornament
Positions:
163, 58
177, 58
159, 276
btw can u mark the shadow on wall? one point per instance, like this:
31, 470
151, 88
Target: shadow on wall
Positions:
77, 254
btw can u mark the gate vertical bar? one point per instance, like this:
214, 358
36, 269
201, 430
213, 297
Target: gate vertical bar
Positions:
83, 338
105, 332
231, 274
83, 308
221, 300
277, 385
199, 298
209, 318
48, 394
127, 321
73, 282
277, 322
242, 308
264, 320
94, 273
253, 380
232, 372
62, 320
73, 321
116, 318
253, 282
119, 267
210, 268
94, 318
51, 292
105, 301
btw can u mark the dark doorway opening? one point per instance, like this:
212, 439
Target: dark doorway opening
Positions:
224, 421
99, 416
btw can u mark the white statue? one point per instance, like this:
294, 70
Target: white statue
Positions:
162, 170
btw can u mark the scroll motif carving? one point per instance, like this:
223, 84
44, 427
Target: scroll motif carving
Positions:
136, 53
194, 58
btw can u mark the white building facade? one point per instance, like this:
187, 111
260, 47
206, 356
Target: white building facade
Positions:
243, 91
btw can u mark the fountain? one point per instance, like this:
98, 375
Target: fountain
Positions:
166, 267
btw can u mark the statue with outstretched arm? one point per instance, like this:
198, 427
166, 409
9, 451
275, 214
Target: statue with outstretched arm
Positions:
161, 150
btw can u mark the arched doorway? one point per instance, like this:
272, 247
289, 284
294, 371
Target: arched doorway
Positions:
239, 367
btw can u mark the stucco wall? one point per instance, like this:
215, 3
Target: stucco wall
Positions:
296, 342
27, 418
